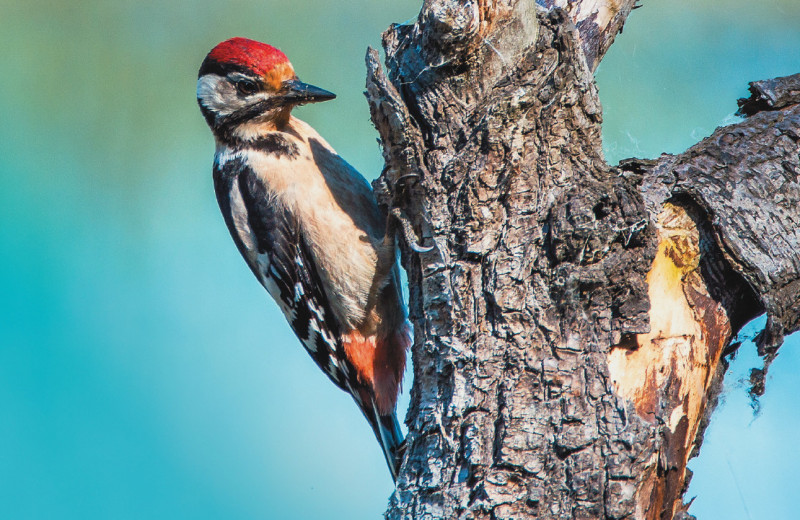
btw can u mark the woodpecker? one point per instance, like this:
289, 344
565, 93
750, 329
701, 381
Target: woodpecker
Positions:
308, 226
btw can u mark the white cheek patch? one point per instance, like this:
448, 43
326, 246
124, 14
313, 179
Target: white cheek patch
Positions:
217, 95
220, 97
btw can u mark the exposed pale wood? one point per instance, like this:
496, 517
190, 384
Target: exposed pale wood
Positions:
669, 371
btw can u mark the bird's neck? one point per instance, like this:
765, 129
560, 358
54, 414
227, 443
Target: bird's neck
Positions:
268, 138
255, 130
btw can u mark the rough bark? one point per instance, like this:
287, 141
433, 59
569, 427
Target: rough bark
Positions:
546, 385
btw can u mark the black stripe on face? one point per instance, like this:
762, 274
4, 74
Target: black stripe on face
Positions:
249, 112
209, 116
224, 127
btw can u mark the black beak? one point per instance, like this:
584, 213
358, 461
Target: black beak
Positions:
296, 92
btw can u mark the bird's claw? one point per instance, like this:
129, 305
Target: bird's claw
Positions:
396, 214
400, 182
420, 248
409, 235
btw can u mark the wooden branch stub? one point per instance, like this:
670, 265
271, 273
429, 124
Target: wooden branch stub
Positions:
598, 22
729, 249
771, 94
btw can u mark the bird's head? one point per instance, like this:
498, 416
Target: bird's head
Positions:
244, 85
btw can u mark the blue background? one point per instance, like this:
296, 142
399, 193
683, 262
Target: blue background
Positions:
143, 371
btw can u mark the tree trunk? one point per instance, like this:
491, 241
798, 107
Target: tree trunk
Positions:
571, 318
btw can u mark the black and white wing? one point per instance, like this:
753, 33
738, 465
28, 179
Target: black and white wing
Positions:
272, 244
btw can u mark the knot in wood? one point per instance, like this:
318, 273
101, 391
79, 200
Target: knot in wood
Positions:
450, 26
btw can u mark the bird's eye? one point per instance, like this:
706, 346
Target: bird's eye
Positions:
246, 87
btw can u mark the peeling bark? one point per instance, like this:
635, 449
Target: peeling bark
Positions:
571, 319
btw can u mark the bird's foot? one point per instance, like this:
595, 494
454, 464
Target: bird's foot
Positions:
409, 235
397, 217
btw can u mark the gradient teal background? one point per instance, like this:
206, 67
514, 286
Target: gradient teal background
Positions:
143, 371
